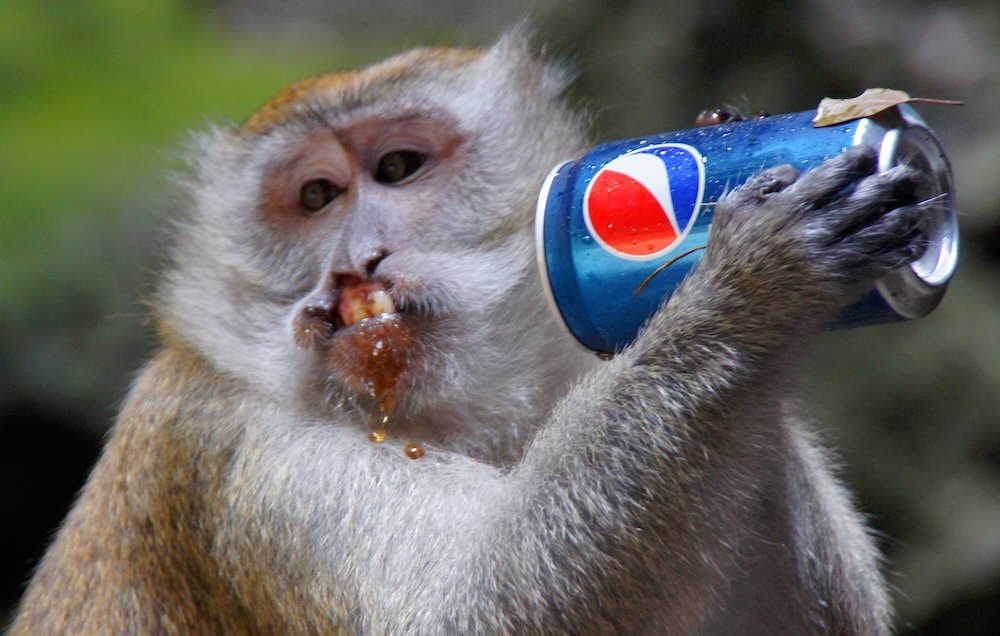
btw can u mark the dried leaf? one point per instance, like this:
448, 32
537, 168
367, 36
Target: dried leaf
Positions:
868, 103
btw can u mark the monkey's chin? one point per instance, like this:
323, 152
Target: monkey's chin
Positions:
372, 356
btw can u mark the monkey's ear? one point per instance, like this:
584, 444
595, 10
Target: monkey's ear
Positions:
517, 50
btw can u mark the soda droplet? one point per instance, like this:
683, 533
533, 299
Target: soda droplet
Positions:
414, 451
377, 436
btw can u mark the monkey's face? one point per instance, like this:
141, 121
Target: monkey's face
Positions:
367, 196
372, 233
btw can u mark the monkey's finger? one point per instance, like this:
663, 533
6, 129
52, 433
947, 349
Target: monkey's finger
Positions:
873, 197
832, 179
764, 183
891, 241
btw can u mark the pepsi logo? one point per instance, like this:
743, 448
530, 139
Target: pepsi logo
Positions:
642, 204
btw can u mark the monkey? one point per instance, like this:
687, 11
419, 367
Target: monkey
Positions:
353, 278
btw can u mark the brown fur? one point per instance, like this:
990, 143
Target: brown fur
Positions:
278, 109
140, 526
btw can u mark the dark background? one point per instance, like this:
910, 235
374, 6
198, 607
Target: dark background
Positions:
95, 99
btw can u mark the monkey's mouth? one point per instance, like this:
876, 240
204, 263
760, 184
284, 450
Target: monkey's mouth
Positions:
346, 302
363, 300
366, 339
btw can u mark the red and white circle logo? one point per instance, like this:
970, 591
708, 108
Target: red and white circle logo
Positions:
641, 205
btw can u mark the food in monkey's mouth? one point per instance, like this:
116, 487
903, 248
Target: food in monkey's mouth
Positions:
360, 300
345, 302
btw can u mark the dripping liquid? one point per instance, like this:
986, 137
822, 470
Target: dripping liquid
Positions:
373, 355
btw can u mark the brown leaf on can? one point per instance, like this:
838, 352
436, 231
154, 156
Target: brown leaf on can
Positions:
871, 102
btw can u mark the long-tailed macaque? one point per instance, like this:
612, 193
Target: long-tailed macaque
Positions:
364, 419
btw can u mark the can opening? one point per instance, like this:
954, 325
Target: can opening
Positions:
915, 147
915, 290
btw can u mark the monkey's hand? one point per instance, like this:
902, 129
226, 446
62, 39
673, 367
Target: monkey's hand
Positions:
790, 250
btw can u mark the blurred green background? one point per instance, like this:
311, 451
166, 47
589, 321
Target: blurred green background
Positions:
96, 98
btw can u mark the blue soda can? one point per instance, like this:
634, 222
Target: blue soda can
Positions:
608, 221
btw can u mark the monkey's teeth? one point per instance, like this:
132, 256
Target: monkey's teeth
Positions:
362, 301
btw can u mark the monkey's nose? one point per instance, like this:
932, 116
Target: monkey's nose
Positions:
372, 260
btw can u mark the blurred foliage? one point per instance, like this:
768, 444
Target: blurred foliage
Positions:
91, 94
95, 99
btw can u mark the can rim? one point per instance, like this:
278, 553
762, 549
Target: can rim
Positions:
915, 289
540, 255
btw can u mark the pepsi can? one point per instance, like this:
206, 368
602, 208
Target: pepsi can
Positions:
608, 222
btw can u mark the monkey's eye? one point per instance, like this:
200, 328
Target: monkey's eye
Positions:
317, 194
398, 165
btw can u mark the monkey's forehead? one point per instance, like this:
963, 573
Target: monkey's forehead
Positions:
338, 88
